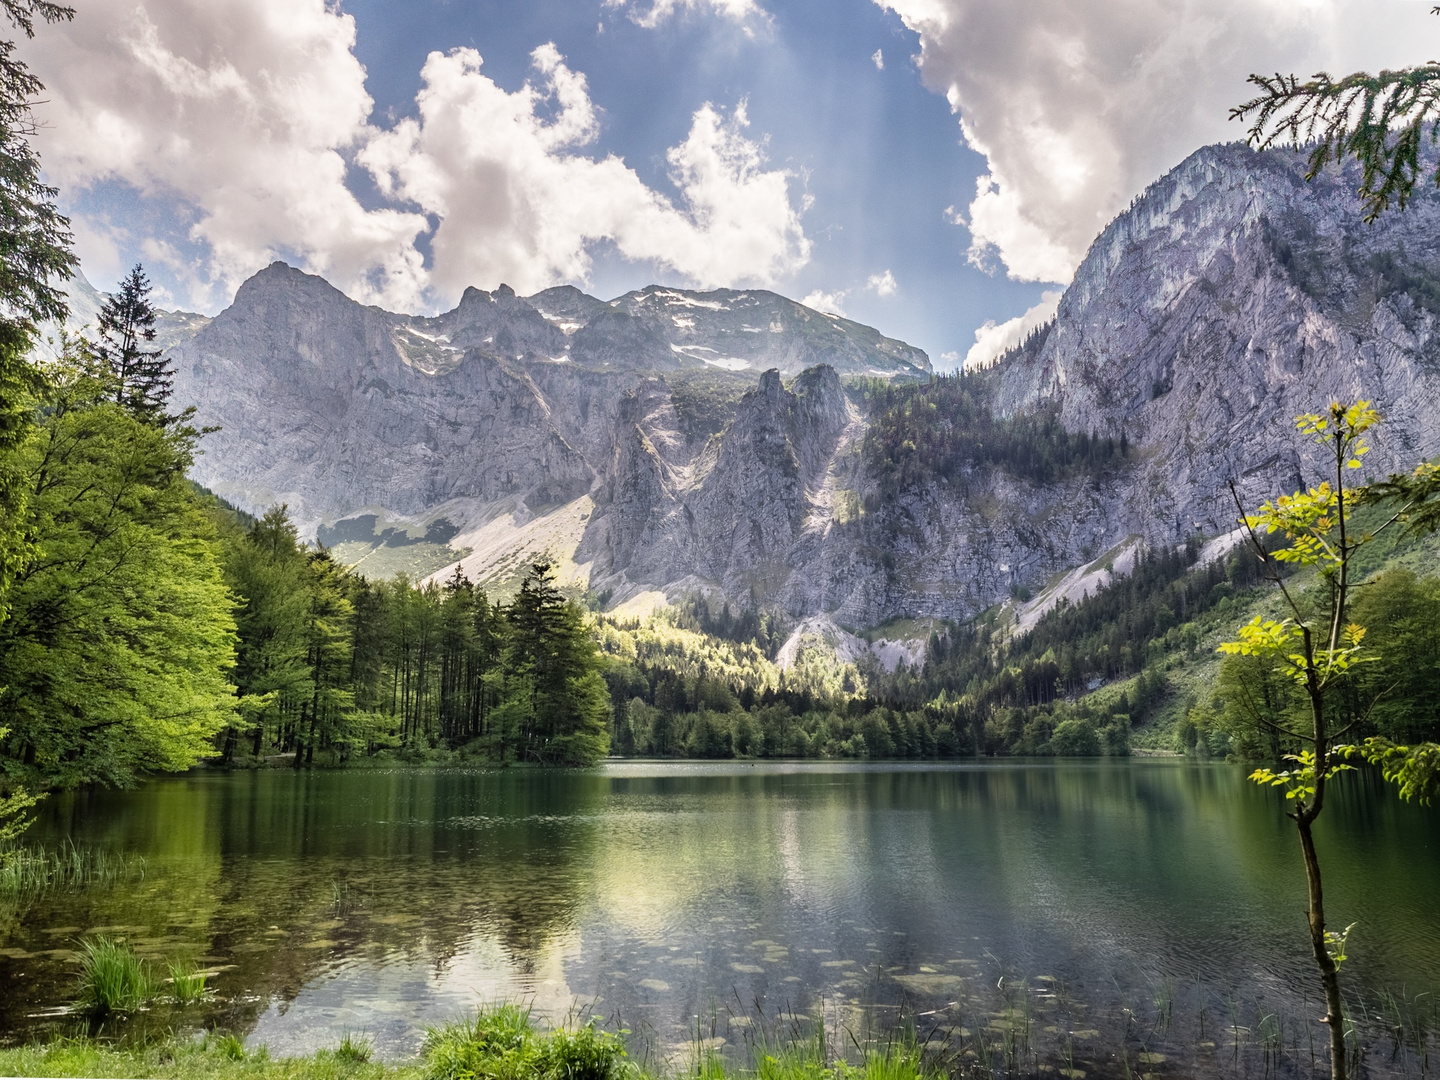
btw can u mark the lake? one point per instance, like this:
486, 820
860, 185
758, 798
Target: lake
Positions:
1070, 912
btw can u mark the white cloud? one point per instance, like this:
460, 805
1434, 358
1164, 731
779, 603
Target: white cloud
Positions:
518, 201
1078, 106
992, 339
878, 59
832, 303
882, 284
245, 117
242, 108
745, 12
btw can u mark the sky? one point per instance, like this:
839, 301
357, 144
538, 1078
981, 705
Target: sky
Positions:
934, 168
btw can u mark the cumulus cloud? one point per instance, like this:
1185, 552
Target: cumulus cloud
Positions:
992, 339
249, 117
519, 200
1078, 106
882, 284
832, 303
745, 12
241, 108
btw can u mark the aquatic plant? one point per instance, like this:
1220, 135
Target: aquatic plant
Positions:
112, 978
26, 871
187, 983
229, 1045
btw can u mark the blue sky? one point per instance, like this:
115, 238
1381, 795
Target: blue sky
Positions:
699, 142
881, 156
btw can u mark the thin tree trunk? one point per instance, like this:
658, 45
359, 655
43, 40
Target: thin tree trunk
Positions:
1329, 974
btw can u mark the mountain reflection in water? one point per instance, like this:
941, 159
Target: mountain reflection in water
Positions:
680, 899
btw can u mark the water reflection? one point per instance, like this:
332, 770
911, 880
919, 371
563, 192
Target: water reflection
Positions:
664, 894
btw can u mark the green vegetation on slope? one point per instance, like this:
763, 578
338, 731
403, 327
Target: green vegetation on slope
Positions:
924, 433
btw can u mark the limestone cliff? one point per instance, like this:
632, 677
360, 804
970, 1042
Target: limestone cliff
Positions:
670, 440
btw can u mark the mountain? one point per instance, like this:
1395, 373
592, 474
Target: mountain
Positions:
1231, 297
671, 440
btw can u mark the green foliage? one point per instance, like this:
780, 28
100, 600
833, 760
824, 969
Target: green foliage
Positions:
112, 978
501, 1044
1418, 495
113, 660
1075, 737
1381, 121
354, 1049
34, 237
187, 983
1415, 770
140, 379
921, 434
1301, 781
34, 869
34, 256
1316, 648
231, 1046
14, 820
331, 664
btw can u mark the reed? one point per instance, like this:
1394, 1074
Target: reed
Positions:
34, 868
187, 983
112, 978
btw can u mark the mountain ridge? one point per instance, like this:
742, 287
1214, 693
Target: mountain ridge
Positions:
611, 435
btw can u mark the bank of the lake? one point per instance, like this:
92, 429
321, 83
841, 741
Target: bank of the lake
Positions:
1097, 909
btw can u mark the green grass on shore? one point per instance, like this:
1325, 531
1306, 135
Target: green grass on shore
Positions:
216, 1058
499, 1043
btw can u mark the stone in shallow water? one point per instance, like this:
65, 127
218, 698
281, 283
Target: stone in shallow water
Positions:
931, 985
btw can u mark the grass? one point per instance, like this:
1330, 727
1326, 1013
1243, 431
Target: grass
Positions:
34, 869
499, 1043
113, 979
187, 983
215, 1058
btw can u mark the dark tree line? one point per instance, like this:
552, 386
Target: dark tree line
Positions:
921, 434
332, 665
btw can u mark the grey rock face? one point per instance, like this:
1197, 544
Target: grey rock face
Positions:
1229, 298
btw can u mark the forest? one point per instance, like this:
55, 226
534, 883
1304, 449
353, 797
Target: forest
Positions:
145, 626
941, 430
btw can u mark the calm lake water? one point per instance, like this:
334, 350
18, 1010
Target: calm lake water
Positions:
1105, 908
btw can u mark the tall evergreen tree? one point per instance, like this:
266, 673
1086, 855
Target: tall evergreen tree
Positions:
267, 571
558, 708
34, 256
143, 378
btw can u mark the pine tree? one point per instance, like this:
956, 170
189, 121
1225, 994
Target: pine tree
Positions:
556, 698
143, 378
34, 256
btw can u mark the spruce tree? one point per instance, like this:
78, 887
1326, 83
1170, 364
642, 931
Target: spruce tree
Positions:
34, 256
143, 378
